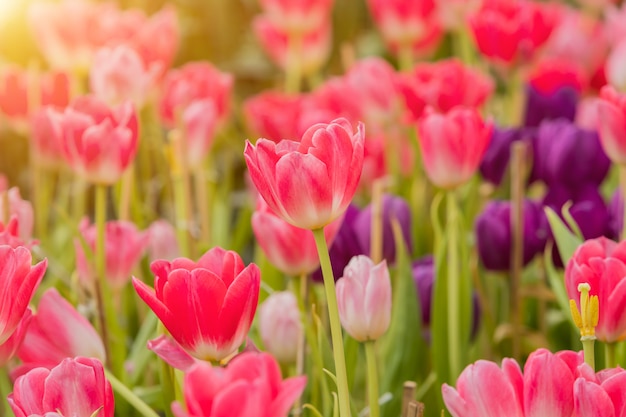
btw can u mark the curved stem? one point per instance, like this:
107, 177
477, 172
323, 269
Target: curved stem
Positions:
130, 396
372, 379
454, 325
335, 324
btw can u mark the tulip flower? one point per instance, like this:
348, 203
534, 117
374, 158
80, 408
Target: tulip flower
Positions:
280, 326
291, 249
207, 306
297, 17
602, 264
250, 384
309, 184
46, 141
124, 245
20, 208
99, 142
560, 103
274, 116
453, 145
43, 391
10, 234
9, 348
495, 161
612, 124
56, 332
602, 396
162, 243
19, 280
364, 299
616, 214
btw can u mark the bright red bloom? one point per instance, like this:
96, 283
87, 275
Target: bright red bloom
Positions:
309, 184
56, 332
291, 249
18, 282
453, 145
99, 142
550, 75
43, 391
250, 385
207, 306
601, 263
612, 124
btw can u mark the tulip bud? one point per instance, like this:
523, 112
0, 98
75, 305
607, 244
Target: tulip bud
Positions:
280, 326
364, 299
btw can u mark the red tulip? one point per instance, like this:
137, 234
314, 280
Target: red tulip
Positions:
75, 387
602, 264
364, 299
250, 385
18, 282
291, 249
311, 183
453, 145
56, 332
207, 306
612, 124
99, 142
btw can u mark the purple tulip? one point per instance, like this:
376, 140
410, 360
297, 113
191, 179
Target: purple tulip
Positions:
540, 106
496, 158
568, 155
494, 233
616, 215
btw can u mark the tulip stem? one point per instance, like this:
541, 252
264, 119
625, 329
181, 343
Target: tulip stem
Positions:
5, 389
100, 263
454, 298
622, 183
372, 378
293, 76
335, 324
130, 396
610, 361
589, 350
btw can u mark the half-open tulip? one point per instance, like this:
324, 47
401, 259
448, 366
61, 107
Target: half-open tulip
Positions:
76, 387
280, 326
601, 263
251, 385
364, 298
18, 282
309, 183
453, 145
207, 306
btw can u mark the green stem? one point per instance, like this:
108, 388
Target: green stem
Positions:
463, 45
588, 349
293, 76
454, 299
130, 396
335, 324
610, 360
100, 263
406, 58
372, 378
5, 389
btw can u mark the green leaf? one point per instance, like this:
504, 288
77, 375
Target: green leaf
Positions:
566, 241
558, 284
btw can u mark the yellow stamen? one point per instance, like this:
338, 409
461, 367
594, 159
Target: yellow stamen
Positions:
587, 318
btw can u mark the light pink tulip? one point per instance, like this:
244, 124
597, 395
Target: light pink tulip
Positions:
43, 391
280, 326
612, 124
46, 140
18, 282
615, 25
453, 145
309, 184
162, 243
56, 332
616, 67
250, 385
364, 298
99, 142
299, 16
22, 209
124, 246
207, 306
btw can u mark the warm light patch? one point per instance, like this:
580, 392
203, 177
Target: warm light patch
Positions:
7, 7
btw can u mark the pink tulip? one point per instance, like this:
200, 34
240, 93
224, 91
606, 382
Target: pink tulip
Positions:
280, 326
250, 385
10, 234
612, 124
412, 25
616, 66
314, 50
291, 249
615, 25
453, 14
46, 140
18, 282
20, 208
311, 183
124, 246
43, 391
9, 348
453, 145
56, 332
274, 115
119, 74
297, 17
602, 264
99, 142
551, 75
364, 298
207, 306
172, 353
603, 396
162, 243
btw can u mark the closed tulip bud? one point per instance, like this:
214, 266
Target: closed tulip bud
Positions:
43, 391
309, 183
364, 299
495, 161
612, 124
453, 145
602, 264
250, 385
218, 291
162, 243
280, 326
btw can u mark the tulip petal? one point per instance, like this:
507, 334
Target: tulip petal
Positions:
590, 400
